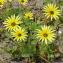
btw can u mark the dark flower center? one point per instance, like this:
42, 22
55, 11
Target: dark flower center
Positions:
28, 17
13, 24
19, 34
45, 34
51, 12
0, 3
22, 0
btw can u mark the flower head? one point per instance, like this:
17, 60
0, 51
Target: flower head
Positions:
23, 1
28, 15
19, 34
51, 11
1, 2
45, 34
12, 22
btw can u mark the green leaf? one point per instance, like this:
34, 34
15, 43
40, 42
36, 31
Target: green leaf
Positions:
28, 50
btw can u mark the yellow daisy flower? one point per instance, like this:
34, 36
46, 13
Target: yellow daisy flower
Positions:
1, 2
23, 1
12, 22
51, 11
28, 15
19, 34
46, 34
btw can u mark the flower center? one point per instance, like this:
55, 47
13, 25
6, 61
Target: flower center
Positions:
0, 3
19, 34
22, 0
51, 12
45, 34
28, 17
13, 24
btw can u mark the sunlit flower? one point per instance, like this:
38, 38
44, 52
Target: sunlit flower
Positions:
12, 22
19, 34
51, 11
46, 34
28, 15
23, 1
1, 2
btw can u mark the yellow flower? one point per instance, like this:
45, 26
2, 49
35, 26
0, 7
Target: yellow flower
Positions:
23, 1
51, 11
12, 22
28, 15
1, 2
46, 34
19, 34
